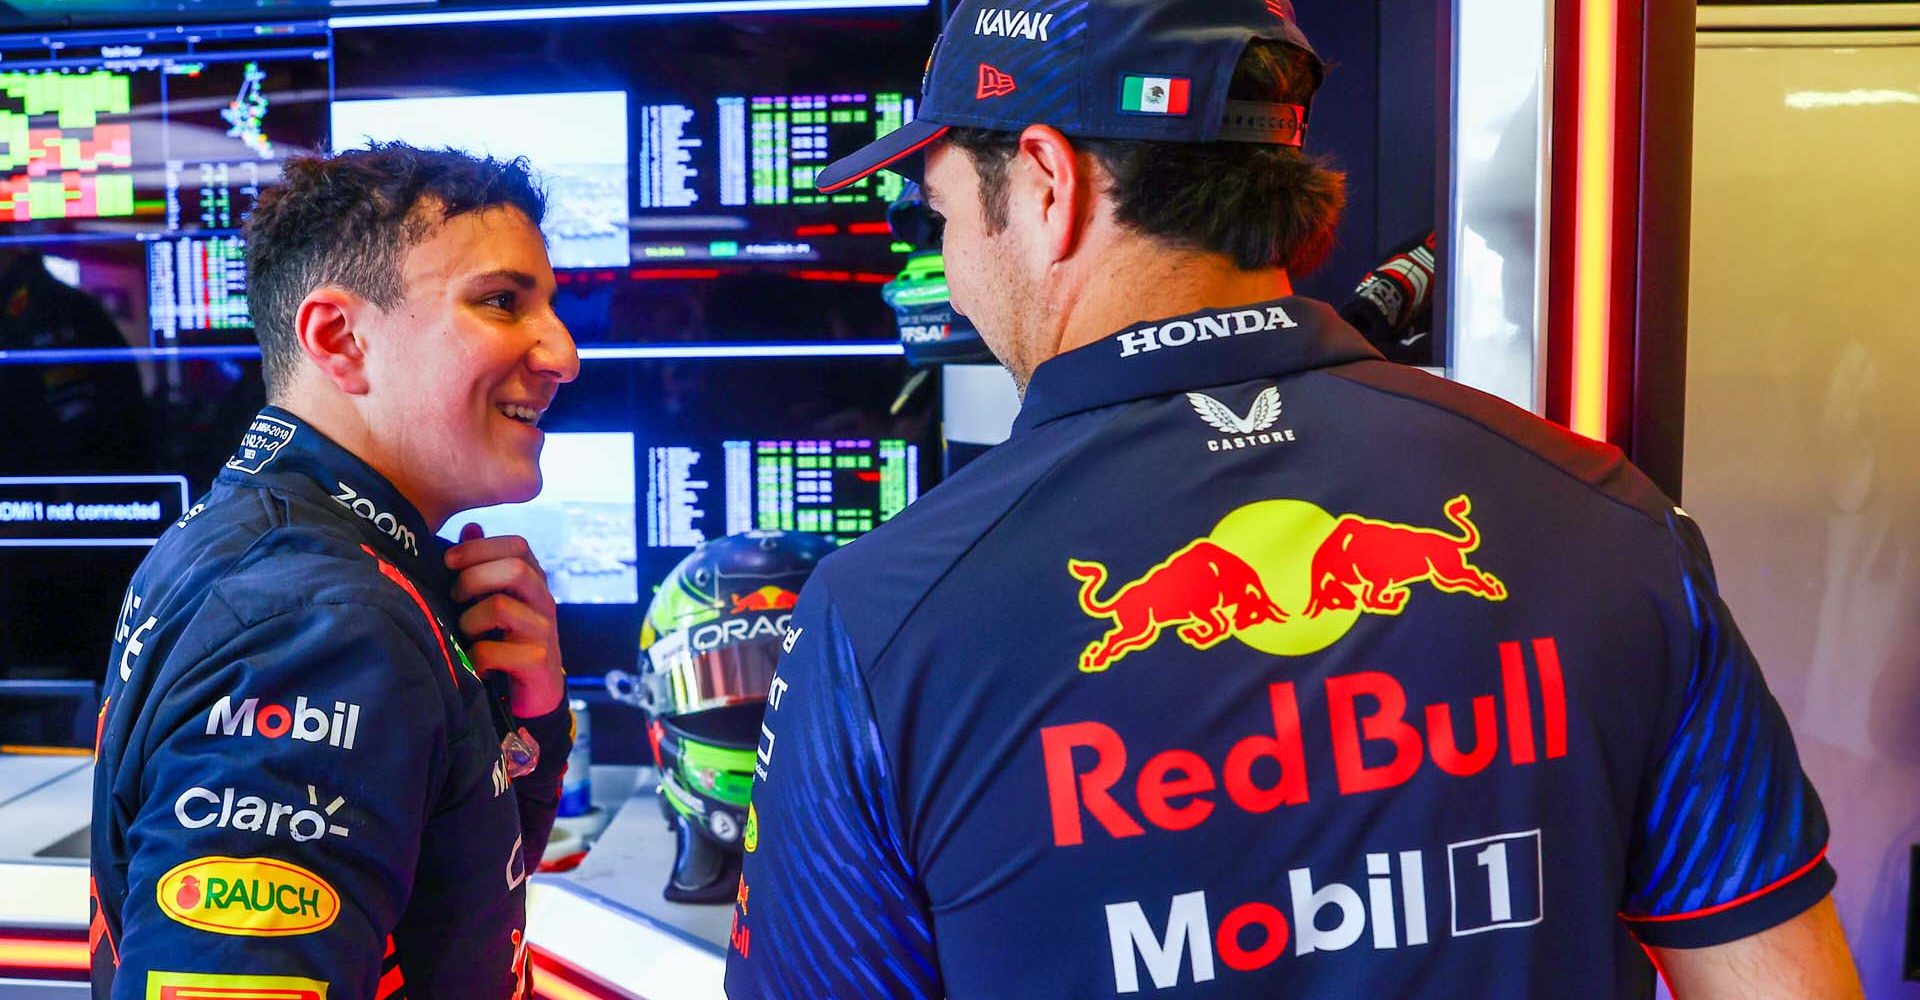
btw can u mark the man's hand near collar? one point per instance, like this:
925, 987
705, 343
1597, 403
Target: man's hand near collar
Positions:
511, 616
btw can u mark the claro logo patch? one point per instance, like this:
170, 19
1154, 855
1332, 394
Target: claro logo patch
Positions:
248, 897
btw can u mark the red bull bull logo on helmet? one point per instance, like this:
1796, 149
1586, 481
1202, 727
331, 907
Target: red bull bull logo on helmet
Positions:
1283, 576
765, 599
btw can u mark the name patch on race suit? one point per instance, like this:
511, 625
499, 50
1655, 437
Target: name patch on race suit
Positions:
261, 444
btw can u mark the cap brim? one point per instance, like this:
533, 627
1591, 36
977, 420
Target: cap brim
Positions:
898, 151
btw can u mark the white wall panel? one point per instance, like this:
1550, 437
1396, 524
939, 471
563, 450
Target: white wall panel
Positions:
1803, 412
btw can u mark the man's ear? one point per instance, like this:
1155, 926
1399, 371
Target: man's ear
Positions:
1052, 169
324, 325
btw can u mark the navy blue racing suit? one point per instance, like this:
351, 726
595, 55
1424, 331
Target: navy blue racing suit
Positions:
301, 790
1253, 665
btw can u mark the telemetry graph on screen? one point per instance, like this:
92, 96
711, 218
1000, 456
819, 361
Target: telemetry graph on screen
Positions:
58, 158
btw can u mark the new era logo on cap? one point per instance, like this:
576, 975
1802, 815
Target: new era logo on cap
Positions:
1155, 95
1278, 9
993, 83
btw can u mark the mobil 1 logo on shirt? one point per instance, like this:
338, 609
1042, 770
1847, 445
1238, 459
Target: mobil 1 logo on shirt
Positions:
1496, 882
1380, 902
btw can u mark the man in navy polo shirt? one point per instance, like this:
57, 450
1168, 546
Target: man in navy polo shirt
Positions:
1251, 665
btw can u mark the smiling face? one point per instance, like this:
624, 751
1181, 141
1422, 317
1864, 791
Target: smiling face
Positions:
461, 369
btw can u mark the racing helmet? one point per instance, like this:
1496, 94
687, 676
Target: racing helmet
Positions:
930, 331
709, 645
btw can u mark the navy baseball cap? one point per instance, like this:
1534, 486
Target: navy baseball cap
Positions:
1153, 70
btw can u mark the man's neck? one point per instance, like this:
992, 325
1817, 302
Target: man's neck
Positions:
343, 425
1152, 284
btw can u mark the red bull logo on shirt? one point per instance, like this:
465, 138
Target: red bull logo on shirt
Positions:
1203, 591
739, 937
1265, 558
1369, 563
1380, 739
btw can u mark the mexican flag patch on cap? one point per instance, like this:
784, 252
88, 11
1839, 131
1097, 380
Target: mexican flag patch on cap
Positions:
1155, 95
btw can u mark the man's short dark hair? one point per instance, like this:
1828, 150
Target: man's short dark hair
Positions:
1261, 205
348, 219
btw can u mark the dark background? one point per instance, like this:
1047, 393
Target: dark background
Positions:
1378, 118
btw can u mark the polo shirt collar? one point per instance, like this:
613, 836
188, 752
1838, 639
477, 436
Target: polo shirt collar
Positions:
1195, 351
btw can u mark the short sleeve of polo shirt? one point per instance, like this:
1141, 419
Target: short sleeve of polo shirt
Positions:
1732, 839
827, 905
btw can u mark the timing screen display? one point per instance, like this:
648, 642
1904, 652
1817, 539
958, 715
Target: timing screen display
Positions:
678, 150
764, 150
133, 156
842, 487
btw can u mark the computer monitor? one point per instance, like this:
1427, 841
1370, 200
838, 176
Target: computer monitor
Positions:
721, 308
842, 487
677, 153
581, 526
725, 446
727, 120
133, 156
576, 143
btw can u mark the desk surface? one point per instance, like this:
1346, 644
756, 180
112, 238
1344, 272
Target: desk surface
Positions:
44, 803
607, 916
629, 865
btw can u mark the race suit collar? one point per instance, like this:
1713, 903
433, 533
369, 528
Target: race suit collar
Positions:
1195, 351
280, 449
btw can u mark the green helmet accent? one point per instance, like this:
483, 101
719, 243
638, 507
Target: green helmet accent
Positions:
678, 604
723, 773
709, 647
922, 282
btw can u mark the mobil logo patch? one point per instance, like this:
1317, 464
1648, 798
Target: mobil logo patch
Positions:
1282, 576
247, 897
307, 723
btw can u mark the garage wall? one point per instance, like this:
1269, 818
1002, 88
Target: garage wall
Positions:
1803, 408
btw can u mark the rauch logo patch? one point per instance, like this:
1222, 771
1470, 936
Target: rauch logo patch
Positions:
247, 897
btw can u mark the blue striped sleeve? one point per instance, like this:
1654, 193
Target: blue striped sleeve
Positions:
828, 905
1732, 838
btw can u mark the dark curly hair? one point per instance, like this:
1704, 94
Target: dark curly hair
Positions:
347, 219
1261, 205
